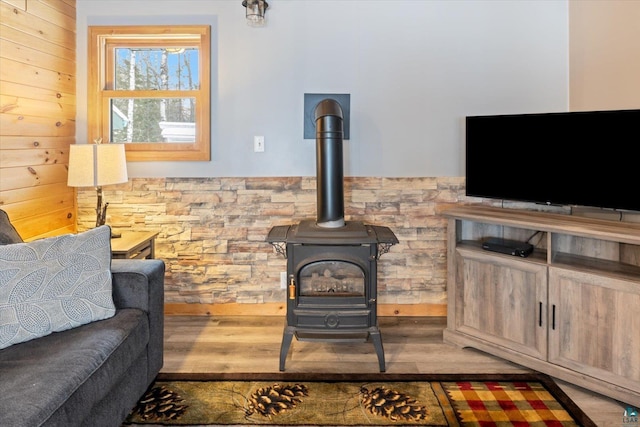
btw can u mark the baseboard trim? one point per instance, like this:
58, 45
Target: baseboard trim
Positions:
280, 309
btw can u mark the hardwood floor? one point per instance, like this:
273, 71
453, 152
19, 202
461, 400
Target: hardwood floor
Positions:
412, 345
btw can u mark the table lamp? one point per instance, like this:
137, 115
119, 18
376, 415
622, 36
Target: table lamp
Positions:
95, 165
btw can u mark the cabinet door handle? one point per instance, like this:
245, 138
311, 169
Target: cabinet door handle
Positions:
540, 314
553, 317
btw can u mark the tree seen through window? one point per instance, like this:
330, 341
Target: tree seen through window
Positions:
151, 119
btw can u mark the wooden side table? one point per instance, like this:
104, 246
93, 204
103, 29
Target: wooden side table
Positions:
134, 245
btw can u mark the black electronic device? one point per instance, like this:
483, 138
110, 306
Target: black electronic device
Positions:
509, 247
584, 158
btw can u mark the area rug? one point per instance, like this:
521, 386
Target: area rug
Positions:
294, 399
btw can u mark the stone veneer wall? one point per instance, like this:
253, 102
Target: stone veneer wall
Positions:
212, 231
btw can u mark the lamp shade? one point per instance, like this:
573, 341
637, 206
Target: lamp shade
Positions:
95, 165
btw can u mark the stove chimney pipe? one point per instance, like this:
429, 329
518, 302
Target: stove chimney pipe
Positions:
329, 164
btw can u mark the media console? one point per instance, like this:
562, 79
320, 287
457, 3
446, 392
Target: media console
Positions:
571, 309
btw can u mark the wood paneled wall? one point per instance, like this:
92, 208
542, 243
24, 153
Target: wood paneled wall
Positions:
37, 114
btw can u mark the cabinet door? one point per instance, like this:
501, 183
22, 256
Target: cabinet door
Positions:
595, 326
502, 299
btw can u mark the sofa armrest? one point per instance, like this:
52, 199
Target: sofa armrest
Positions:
139, 283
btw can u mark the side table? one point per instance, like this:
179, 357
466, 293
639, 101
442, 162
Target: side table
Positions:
134, 245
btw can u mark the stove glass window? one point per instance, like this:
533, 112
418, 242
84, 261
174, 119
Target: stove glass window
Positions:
331, 278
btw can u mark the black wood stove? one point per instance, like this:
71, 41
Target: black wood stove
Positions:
331, 263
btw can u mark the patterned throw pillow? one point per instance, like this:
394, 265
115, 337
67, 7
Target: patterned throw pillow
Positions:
54, 284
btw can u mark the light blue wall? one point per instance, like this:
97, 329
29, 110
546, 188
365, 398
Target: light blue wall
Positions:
414, 69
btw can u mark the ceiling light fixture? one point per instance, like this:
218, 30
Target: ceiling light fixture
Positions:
255, 10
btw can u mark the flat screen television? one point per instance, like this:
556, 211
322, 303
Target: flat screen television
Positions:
587, 158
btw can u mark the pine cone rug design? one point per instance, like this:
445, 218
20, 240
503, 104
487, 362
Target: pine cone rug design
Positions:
160, 404
385, 402
275, 399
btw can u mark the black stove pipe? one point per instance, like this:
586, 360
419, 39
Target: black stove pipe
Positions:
329, 164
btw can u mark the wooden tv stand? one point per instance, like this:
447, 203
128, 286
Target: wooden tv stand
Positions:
570, 310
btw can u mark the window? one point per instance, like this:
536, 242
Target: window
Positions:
149, 88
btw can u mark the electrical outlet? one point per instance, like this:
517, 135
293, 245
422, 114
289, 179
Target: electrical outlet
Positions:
258, 144
283, 280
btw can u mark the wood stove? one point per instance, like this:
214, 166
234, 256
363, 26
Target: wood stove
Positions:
331, 264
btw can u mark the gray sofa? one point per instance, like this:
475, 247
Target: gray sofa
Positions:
92, 374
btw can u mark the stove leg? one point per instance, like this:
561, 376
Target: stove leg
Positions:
286, 343
374, 333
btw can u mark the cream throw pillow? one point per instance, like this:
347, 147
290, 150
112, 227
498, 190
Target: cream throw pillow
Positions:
54, 284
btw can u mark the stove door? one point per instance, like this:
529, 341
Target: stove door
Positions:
332, 276
335, 286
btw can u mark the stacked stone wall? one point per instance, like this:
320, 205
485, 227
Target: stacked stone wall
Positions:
212, 231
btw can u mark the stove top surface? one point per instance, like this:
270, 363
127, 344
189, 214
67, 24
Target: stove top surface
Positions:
353, 232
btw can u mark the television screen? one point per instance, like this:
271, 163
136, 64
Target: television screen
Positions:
586, 158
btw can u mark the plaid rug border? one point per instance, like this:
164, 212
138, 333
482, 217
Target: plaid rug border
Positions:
488, 403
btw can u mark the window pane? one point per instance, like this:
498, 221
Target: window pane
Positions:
174, 68
153, 120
